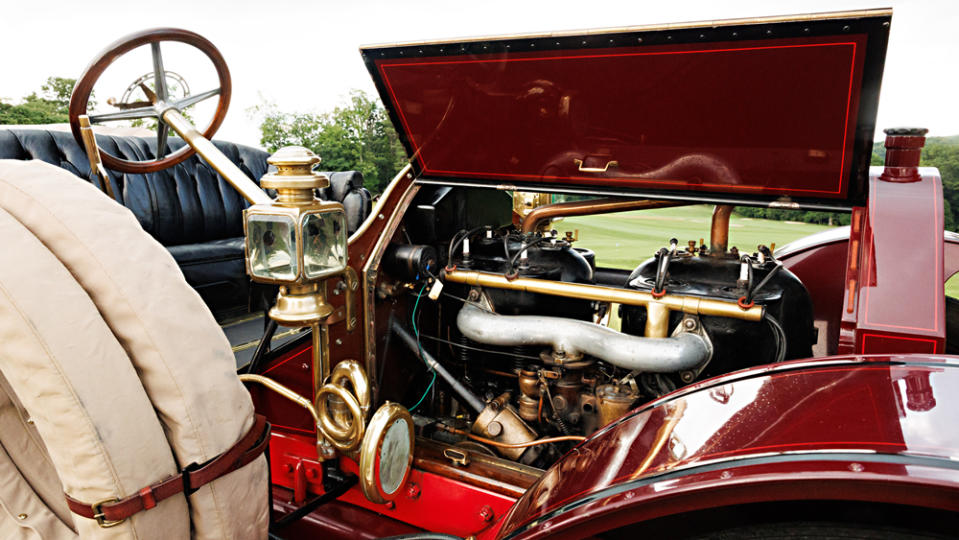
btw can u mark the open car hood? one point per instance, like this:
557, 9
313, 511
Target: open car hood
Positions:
777, 111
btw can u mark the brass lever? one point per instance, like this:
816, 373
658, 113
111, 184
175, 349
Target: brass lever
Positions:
93, 155
579, 164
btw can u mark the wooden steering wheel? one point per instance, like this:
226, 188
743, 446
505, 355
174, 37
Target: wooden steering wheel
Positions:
159, 98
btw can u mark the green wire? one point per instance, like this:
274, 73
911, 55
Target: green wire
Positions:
419, 346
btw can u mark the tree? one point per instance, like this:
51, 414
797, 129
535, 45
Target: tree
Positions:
50, 107
357, 136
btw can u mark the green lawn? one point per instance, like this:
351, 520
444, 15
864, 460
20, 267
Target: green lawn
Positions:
624, 240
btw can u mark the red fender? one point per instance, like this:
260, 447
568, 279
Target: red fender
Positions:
857, 428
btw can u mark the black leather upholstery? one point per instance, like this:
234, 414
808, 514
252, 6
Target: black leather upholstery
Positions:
188, 208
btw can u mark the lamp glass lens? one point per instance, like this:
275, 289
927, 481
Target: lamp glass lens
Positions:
272, 246
394, 456
324, 243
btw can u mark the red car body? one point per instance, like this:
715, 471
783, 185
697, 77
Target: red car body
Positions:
869, 421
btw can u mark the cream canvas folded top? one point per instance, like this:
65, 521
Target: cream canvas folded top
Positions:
122, 368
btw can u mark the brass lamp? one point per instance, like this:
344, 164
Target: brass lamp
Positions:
298, 242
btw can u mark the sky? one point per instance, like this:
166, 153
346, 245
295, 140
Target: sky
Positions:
303, 56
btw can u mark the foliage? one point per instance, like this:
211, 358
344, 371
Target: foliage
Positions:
50, 107
939, 152
942, 153
357, 136
822, 218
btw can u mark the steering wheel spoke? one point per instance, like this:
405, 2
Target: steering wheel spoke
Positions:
193, 99
159, 96
162, 132
129, 114
159, 74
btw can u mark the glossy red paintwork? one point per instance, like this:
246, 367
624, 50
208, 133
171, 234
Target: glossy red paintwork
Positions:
794, 482
429, 501
877, 412
895, 270
336, 521
673, 117
821, 268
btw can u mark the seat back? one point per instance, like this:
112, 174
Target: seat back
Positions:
188, 203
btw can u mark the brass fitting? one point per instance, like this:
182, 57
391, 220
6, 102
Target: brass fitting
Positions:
500, 422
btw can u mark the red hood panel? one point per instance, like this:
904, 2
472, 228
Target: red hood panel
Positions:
750, 112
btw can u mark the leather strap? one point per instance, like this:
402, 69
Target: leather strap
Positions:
191, 478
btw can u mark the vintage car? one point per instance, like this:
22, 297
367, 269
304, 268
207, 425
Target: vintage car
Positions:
450, 365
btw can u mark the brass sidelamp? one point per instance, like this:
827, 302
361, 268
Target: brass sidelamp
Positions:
299, 242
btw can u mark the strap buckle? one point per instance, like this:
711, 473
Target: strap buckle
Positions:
100, 517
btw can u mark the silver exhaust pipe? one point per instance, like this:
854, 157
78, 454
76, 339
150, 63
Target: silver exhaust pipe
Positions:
656, 355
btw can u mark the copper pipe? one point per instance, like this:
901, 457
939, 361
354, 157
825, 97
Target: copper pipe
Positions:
590, 207
491, 442
719, 233
501, 373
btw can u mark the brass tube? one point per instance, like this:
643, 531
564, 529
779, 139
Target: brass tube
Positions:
590, 207
719, 232
491, 442
321, 354
227, 169
93, 154
283, 391
657, 320
675, 302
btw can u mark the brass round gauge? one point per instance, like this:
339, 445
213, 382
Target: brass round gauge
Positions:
386, 456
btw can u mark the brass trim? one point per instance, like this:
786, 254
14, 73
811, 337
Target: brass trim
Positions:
321, 353
344, 439
98, 513
352, 284
827, 15
674, 302
352, 371
384, 418
283, 391
579, 166
93, 154
373, 262
380, 204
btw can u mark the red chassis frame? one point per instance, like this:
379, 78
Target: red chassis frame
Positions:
870, 426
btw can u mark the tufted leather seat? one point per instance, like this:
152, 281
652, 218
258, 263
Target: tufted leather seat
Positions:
188, 208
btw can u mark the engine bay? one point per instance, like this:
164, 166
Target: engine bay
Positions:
514, 341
